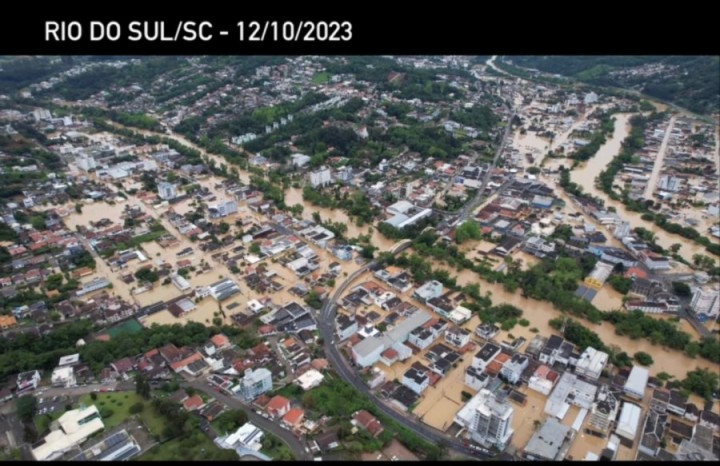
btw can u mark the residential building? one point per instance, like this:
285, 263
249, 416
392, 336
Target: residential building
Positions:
367, 421
604, 412
278, 406
255, 383
570, 390
321, 177
369, 350
550, 443
487, 419
223, 209
513, 369
166, 191
457, 336
416, 380
652, 433
27, 381
429, 290
486, 355
543, 380
591, 363
247, 440
476, 379
706, 302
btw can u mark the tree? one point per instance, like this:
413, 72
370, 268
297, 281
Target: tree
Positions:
643, 358
142, 386
255, 249
468, 230
681, 288
675, 247
702, 382
26, 408
78, 208
137, 408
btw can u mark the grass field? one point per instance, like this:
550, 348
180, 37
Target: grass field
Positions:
129, 326
120, 403
195, 447
321, 78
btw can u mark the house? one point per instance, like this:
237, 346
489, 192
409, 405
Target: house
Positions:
416, 380
487, 354
476, 378
220, 341
660, 400
457, 336
429, 290
421, 337
122, 366
278, 406
193, 403
367, 421
513, 369
628, 424
293, 418
677, 403
345, 326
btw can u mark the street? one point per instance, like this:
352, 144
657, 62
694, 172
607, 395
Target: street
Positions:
296, 445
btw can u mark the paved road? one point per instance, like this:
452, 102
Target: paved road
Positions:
326, 327
296, 445
81, 390
652, 182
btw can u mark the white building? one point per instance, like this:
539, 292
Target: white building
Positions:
310, 379
255, 383
476, 379
368, 351
637, 382
63, 377
486, 354
629, 422
460, 315
416, 380
180, 282
591, 363
247, 437
166, 191
590, 98
223, 289
73, 428
706, 301
223, 209
549, 443
300, 160
85, 162
320, 177
429, 290
487, 420
27, 381
457, 336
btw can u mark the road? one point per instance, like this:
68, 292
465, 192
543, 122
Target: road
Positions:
326, 327
296, 445
81, 390
652, 182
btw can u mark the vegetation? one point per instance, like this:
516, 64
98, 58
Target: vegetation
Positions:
468, 230
230, 421
643, 358
689, 81
702, 382
26, 408
620, 284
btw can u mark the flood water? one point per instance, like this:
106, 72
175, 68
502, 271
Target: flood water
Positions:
585, 176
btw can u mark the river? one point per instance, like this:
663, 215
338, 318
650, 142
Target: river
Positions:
585, 176
540, 312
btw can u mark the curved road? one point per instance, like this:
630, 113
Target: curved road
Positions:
326, 327
295, 444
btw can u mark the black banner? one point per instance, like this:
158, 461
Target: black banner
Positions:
365, 29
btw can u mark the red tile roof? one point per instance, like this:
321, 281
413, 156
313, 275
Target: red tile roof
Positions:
220, 340
277, 404
293, 417
193, 403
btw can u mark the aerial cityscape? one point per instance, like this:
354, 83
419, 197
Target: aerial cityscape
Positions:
393, 258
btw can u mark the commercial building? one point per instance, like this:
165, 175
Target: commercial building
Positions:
636, 382
550, 443
180, 282
368, 351
570, 390
223, 289
120, 446
628, 424
487, 419
72, 428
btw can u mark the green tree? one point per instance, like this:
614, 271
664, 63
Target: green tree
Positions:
643, 358
681, 288
703, 382
26, 408
468, 230
255, 248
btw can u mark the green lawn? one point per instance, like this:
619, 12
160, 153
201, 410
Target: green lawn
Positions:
120, 403
321, 78
43, 421
195, 447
